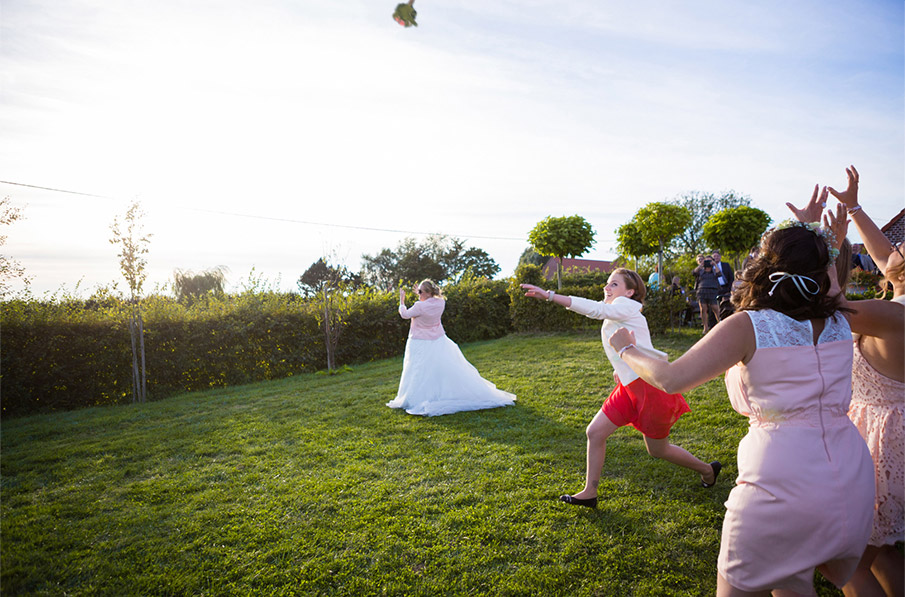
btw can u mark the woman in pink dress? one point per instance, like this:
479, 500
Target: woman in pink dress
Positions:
436, 378
878, 404
804, 494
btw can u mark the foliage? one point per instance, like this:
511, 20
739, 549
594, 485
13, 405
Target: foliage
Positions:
189, 286
631, 242
662, 310
532, 315
10, 269
701, 206
476, 309
735, 231
567, 236
866, 280
439, 257
656, 224
529, 255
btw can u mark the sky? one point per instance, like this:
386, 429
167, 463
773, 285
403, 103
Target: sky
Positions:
261, 136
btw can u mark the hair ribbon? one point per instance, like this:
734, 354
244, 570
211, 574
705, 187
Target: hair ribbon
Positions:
801, 283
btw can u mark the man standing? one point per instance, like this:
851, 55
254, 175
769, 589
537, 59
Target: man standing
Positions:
725, 276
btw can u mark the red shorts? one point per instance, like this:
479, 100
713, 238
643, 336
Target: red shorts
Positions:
651, 411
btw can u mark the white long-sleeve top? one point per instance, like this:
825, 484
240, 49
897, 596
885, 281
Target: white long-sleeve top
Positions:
623, 312
425, 316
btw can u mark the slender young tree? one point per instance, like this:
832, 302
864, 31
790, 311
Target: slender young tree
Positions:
10, 269
322, 281
133, 246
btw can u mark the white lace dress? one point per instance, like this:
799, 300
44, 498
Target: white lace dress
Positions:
805, 489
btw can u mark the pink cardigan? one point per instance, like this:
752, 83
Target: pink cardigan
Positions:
425, 316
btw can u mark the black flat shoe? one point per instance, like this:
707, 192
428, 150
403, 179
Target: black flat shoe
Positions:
589, 503
717, 467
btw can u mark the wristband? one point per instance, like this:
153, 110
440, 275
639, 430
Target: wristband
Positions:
550, 296
624, 348
852, 210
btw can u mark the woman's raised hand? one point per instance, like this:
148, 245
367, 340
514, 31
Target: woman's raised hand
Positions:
811, 212
402, 295
837, 223
848, 197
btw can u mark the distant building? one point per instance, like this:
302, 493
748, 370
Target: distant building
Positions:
895, 228
577, 266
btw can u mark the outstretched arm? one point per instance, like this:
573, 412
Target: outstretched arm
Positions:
730, 342
532, 291
878, 246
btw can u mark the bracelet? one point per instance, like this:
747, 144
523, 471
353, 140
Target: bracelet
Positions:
624, 348
852, 210
550, 296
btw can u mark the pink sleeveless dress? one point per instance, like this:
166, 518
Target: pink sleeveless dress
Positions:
805, 489
878, 410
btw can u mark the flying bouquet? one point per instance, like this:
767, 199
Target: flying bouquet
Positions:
405, 14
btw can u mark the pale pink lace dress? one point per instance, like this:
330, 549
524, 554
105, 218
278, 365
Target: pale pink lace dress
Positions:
878, 410
805, 489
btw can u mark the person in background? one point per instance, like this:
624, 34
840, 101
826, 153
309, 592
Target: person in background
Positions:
725, 277
653, 280
708, 288
675, 289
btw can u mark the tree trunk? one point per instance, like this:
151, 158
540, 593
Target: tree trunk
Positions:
559, 274
132, 336
141, 343
328, 336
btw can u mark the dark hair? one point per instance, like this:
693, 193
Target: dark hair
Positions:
795, 250
633, 282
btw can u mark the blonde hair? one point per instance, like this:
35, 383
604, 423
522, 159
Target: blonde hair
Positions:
633, 282
431, 287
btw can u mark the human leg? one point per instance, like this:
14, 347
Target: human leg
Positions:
662, 448
863, 583
598, 430
705, 318
724, 589
889, 569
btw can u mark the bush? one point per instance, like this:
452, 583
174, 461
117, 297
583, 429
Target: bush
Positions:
661, 309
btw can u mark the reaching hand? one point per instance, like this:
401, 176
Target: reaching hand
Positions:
837, 224
811, 211
402, 295
849, 197
533, 291
622, 338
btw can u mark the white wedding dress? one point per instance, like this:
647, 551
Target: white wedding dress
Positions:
436, 377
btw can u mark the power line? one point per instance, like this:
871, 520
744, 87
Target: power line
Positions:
270, 218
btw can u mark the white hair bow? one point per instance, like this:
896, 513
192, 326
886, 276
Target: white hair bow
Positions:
801, 283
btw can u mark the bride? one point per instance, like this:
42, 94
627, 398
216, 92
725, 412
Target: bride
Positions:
436, 378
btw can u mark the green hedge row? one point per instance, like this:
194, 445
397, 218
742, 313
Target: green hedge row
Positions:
72, 353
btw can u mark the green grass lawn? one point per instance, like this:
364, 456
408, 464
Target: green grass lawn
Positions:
311, 486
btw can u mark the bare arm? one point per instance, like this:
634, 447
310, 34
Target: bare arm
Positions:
878, 246
730, 342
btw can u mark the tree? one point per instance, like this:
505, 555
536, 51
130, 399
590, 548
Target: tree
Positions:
736, 230
190, 287
322, 281
701, 206
10, 269
530, 256
567, 236
630, 242
438, 257
132, 263
658, 224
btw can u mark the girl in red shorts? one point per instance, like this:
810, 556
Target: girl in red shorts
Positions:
633, 402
